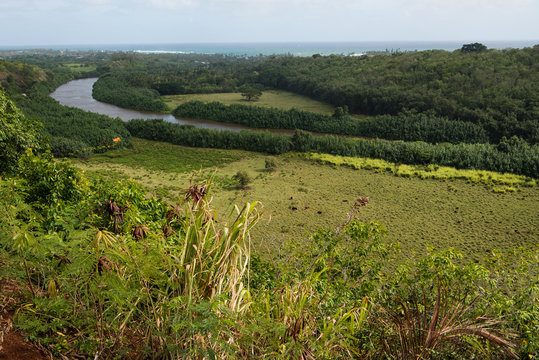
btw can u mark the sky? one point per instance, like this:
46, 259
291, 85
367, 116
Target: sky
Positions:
86, 22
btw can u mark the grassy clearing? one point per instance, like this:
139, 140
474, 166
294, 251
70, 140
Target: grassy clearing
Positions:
80, 67
158, 156
272, 98
303, 195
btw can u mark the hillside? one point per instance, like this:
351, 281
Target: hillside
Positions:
210, 251
70, 131
16, 77
497, 89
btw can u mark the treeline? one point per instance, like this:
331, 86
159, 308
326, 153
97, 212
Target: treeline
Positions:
402, 127
122, 90
189, 135
76, 64
494, 89
512, 156
142, 76
497, 90
173, 74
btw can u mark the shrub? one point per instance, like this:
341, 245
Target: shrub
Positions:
270, 164
243, 178
64, 147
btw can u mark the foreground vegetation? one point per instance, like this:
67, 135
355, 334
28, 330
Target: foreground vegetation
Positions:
110, 272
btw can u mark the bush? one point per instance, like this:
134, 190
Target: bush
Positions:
48, 182
270, 164
242, 178
64, 147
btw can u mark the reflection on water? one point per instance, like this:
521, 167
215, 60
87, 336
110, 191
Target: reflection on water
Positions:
78, 93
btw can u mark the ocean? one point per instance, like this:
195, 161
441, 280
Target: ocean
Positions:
290, 48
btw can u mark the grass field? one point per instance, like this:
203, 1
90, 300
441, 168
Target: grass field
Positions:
271, 98
302, 195
80, 67
159, 156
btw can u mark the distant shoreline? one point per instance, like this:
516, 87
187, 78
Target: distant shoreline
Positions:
277, 48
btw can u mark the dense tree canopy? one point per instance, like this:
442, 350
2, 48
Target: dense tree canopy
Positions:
17, 134
494, 89
122, 90
410, 127
475, 47
71, 131
498, 90
183, 73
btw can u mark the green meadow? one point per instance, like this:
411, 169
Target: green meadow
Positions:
272, 98
303, 194
80, 67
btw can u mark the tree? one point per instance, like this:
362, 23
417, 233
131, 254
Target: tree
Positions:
250, 93
302, 140
475, 47
340, 111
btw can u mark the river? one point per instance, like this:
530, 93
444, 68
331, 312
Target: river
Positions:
78, 93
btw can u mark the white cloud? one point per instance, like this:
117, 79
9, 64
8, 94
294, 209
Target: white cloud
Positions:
293, 8
97, 2
8, 4
169, 4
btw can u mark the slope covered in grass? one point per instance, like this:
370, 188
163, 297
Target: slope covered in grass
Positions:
445, 212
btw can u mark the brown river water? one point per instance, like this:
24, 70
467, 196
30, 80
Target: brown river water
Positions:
78, 93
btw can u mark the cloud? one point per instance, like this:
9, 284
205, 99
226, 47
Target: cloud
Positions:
44, 5
8, 4
30, 5
280, 8
170, 4
97, 2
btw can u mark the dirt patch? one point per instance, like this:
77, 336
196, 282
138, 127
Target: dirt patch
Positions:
12, 344
15, 348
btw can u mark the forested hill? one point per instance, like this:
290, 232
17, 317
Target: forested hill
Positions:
70, 131
497, 89
136, 81
19, 77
